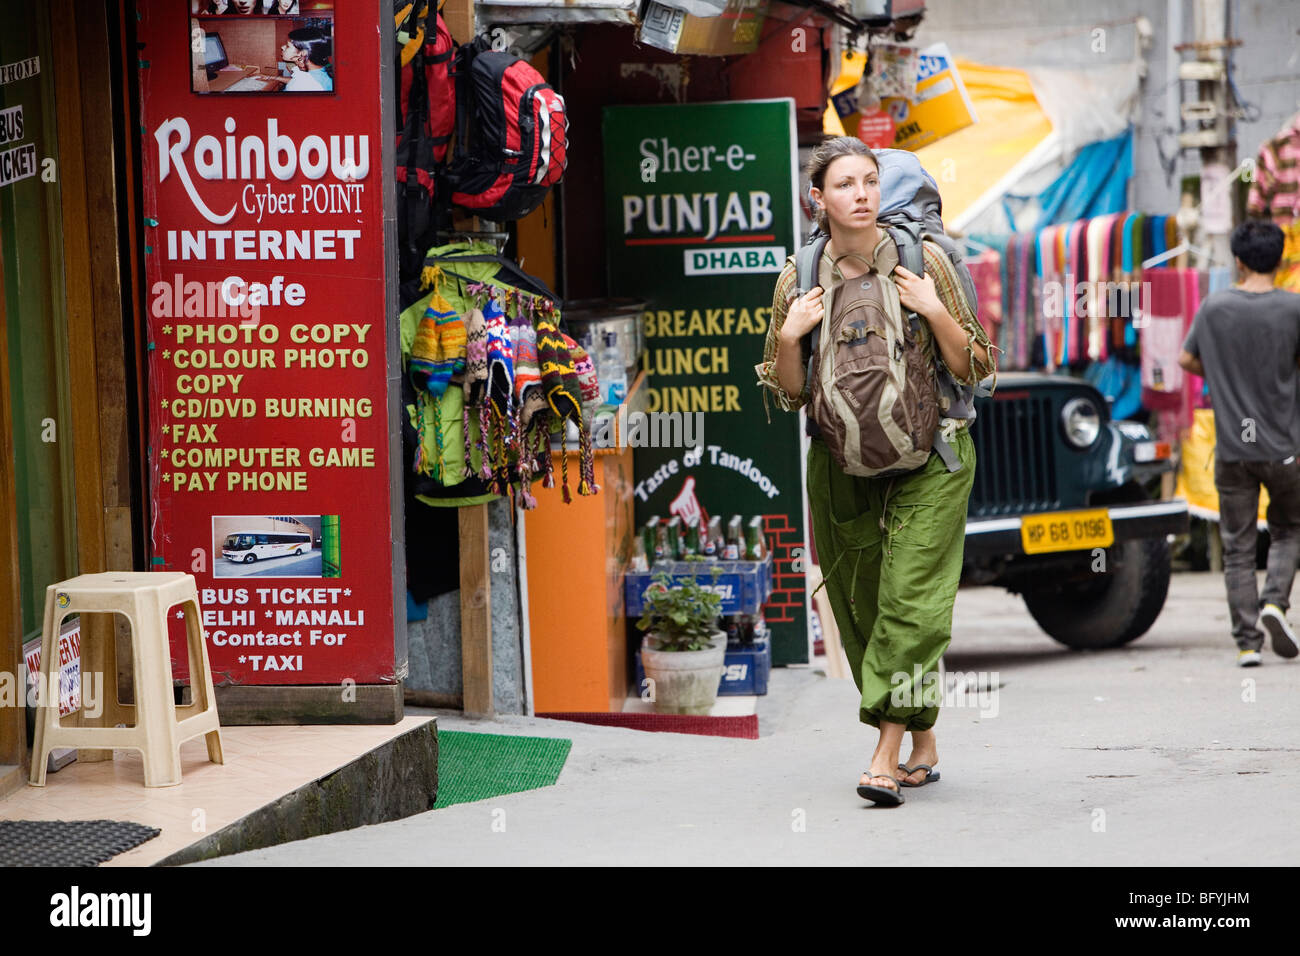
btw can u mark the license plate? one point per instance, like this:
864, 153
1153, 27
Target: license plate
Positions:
1066, 531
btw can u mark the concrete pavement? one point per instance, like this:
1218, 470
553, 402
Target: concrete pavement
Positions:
1163, 752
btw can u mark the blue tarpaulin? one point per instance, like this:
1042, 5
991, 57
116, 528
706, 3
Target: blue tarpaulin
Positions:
1094, 184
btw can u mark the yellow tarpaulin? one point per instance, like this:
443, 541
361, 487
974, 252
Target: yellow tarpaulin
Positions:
972, 160
969, 162
1196, 473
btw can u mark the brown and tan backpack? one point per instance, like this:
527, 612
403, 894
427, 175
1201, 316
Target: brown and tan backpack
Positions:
874, 393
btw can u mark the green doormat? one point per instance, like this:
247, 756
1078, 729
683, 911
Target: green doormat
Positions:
478, 766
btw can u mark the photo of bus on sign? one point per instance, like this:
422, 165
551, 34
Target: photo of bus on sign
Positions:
275, 546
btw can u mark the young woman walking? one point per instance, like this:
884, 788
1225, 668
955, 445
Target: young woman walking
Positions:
890, 548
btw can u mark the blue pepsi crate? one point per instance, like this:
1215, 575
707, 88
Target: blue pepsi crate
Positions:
743, 585
745, 669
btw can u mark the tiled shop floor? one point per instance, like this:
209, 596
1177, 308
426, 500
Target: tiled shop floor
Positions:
262, 765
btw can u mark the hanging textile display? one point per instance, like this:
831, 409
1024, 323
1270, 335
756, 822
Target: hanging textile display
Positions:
1275, 194
490, 377
986, 273
1073, 296
1175, 299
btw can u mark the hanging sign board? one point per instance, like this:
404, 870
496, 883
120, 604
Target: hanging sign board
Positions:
267, 362
700, 215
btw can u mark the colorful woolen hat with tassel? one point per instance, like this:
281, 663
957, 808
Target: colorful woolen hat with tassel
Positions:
475, 383
500, 357
426, 352
528, 377
559, 378
437, 353
476, 367
588, 387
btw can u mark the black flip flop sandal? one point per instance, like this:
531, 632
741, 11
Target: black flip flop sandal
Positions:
931, 775
881, 796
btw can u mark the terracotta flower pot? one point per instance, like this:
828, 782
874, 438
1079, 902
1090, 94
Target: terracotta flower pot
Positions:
685, 682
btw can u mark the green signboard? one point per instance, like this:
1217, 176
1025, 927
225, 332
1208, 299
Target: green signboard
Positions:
700, 215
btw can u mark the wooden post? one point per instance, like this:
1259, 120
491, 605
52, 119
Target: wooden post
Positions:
475, 555
475, 611
84, 147
459, 17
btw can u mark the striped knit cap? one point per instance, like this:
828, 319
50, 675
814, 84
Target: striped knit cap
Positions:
589, 392
528, 376
559, 378
438, 351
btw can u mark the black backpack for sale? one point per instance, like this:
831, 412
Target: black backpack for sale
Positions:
426, 119
511, 135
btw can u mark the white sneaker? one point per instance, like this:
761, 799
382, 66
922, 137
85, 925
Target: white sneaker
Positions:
1273, 620
1249, 658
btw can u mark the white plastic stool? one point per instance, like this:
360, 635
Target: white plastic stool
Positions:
144, 598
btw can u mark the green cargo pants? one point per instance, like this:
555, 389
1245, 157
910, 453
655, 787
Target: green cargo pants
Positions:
890, 550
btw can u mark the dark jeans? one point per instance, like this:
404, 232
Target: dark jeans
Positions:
1238, 485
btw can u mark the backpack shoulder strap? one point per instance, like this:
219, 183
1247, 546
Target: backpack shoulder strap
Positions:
907, 237
806, 261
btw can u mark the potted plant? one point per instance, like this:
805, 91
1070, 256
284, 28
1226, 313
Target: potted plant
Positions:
683, 648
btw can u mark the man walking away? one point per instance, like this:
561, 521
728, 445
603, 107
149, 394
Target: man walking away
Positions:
1245, 341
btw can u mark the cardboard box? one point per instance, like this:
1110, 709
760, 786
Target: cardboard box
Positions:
940, 107
735, 31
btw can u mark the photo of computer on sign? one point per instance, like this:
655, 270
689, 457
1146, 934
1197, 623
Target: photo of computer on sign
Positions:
264, 53
214, 54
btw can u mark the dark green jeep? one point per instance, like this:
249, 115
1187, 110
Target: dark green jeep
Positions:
1065, 510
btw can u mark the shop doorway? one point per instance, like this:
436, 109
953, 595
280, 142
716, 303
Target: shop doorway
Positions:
37, 490
70, 488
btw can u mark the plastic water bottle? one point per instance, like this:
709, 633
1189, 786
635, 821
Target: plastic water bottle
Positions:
612, 371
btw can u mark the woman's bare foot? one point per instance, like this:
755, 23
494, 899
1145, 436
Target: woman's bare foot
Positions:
925, 750
884, 762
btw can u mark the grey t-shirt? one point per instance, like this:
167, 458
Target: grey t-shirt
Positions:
1248, 343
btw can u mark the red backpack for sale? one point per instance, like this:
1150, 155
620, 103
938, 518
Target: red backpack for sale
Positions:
426, 119
511, 135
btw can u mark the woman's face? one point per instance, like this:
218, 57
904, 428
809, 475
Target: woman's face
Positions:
244, 6
850, 194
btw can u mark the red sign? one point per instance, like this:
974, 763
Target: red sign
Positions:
268, 410
876, 129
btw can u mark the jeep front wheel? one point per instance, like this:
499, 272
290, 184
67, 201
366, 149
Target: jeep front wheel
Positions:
1120, 607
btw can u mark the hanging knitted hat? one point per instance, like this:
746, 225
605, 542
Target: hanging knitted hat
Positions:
500, 357
475, 380
476, 369
559, 378
438, 351
528, 377
426, 352
588, 386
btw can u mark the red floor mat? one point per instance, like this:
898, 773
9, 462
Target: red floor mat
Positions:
745, 727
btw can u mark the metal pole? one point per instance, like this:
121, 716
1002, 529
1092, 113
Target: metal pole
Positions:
1211, 36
